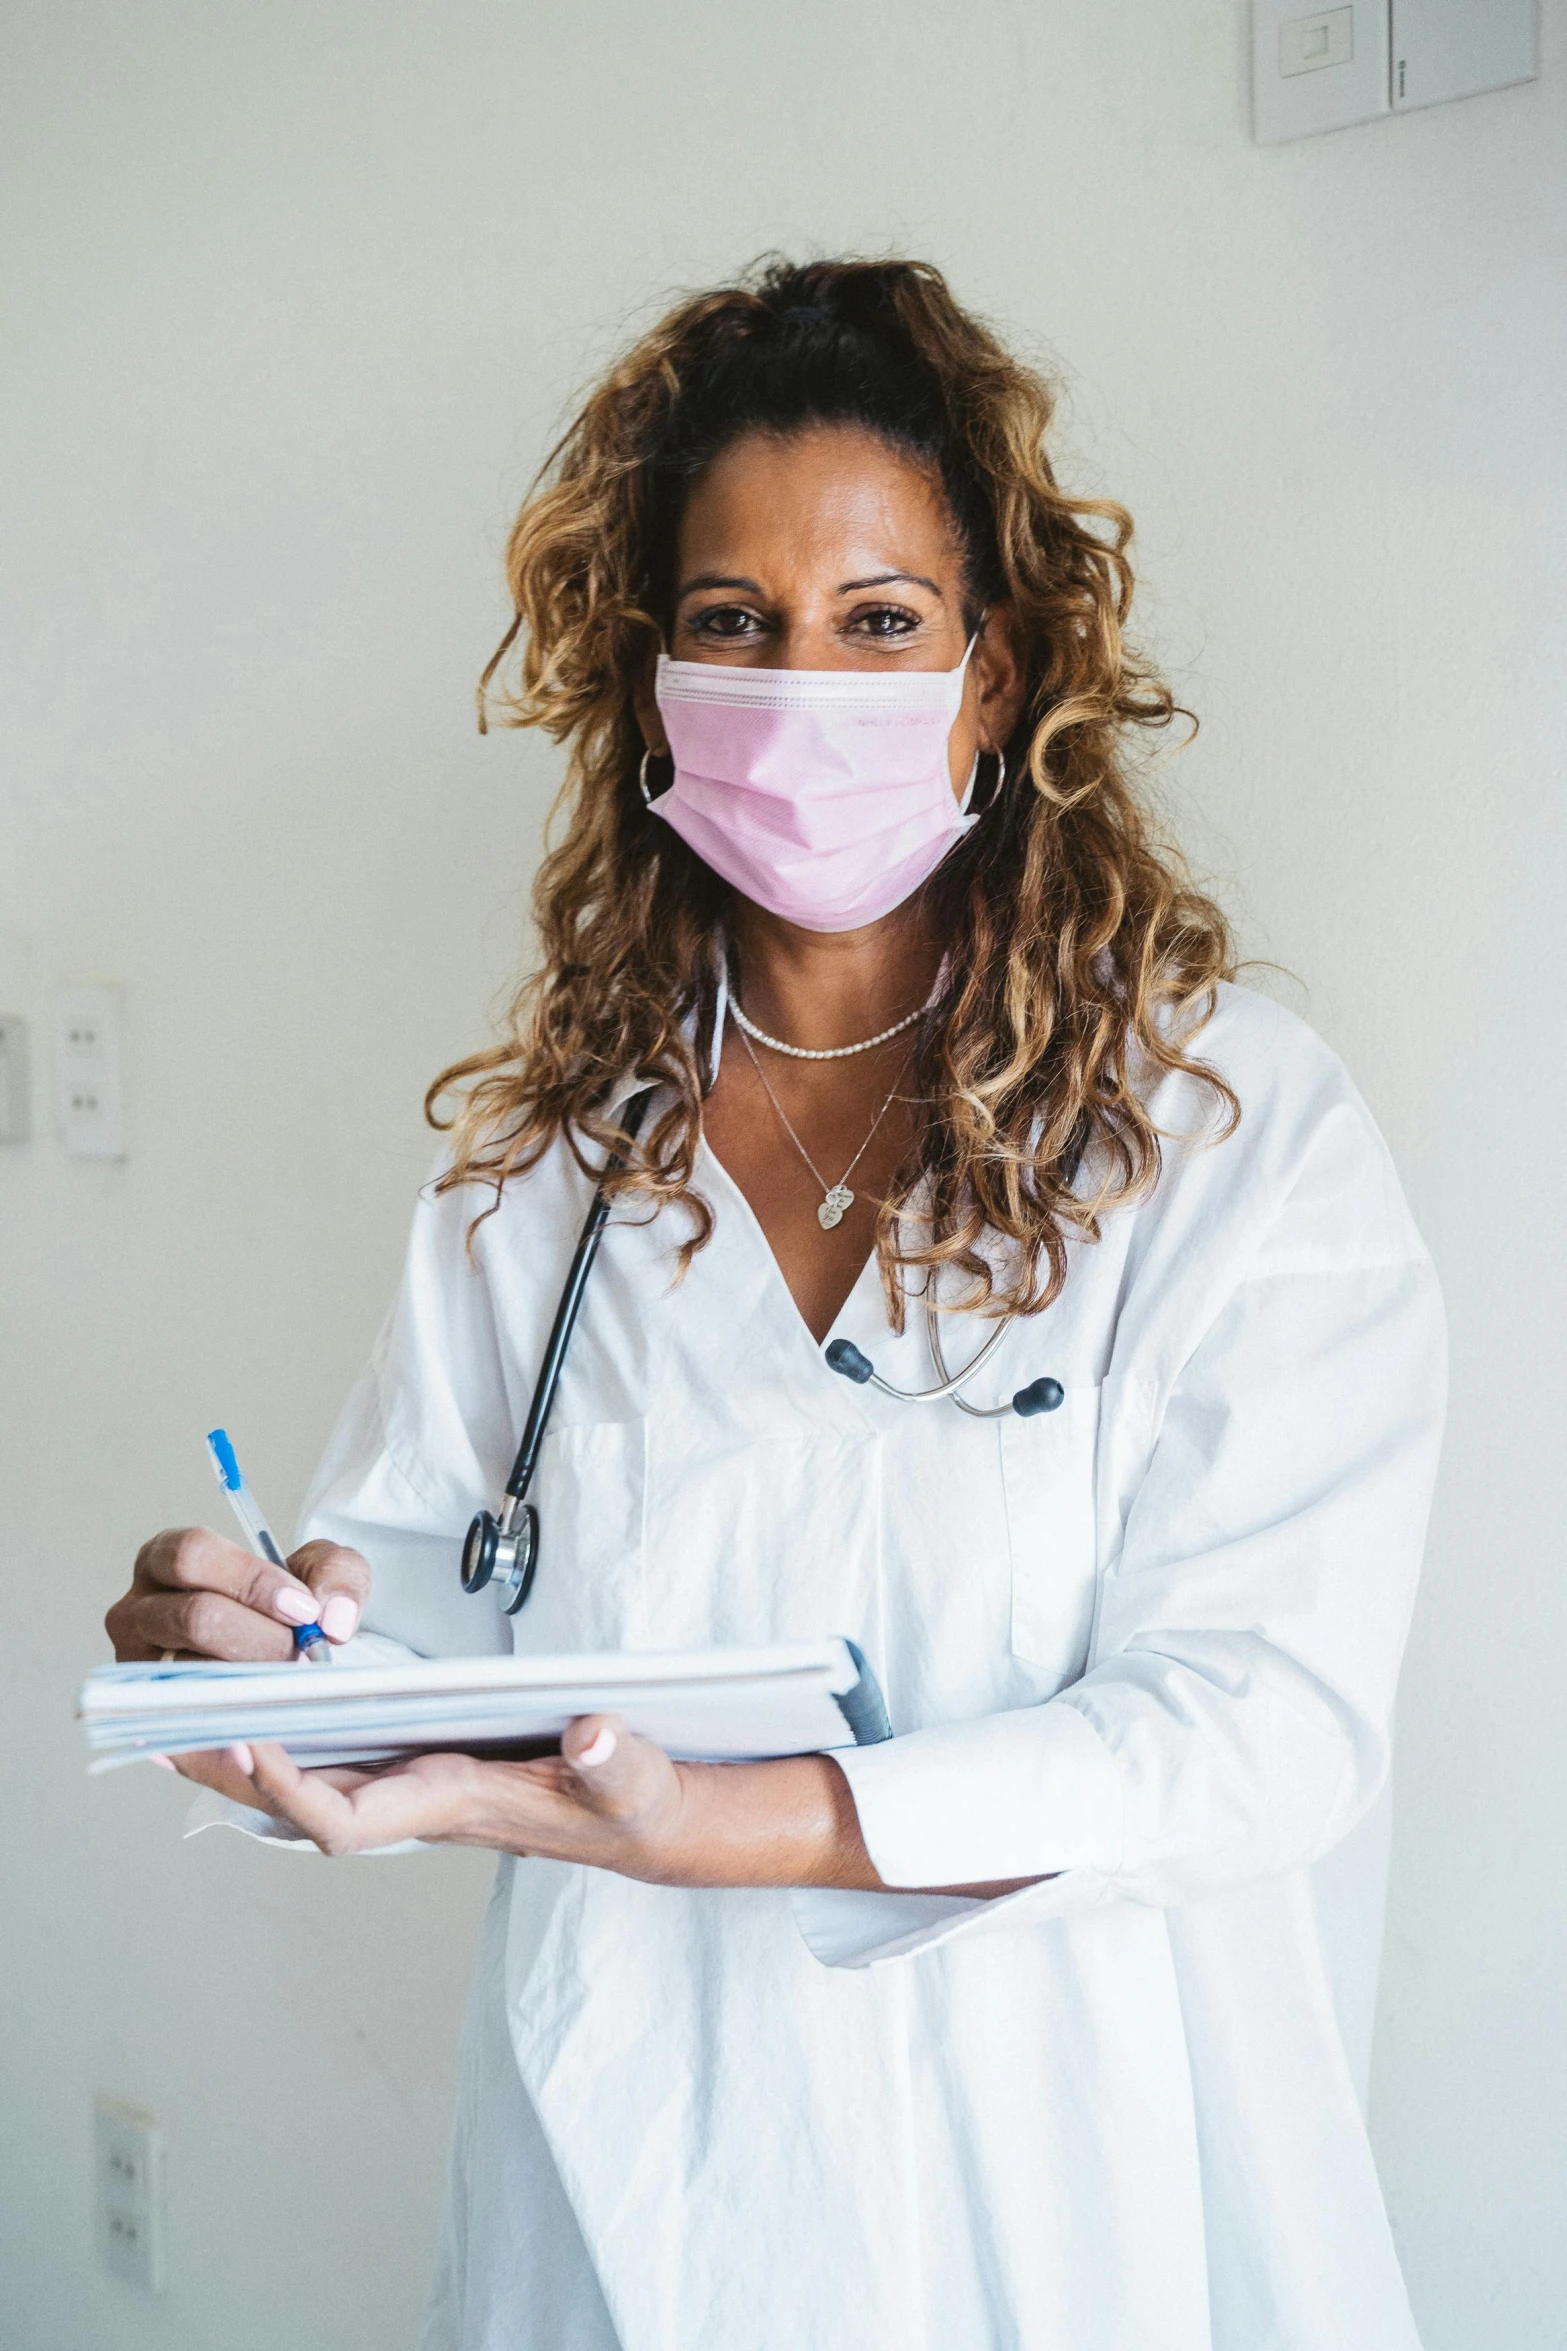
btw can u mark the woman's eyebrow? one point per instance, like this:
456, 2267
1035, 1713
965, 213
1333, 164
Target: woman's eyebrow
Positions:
880, 579
888, 579
718, 579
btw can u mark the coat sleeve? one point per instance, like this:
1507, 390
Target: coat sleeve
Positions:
1234, 1719
420, 1445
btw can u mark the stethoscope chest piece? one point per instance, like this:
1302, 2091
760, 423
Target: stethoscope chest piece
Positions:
503, 1552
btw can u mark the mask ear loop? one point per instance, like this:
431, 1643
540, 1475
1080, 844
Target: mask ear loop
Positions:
965, 805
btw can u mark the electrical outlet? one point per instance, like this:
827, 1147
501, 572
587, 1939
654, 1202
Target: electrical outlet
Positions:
92, 1121
129, 2194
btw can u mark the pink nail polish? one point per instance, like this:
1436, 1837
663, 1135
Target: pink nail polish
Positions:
243, 1757
294, 1604
598, 1750
163, 1762
340, 1617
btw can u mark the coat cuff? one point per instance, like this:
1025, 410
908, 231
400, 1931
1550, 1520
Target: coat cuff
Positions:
844, 1929
1028, 1794
212, 1811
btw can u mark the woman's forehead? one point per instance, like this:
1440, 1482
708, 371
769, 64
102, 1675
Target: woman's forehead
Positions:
833, 495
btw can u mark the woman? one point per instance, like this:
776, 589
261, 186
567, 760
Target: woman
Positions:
1015, 2029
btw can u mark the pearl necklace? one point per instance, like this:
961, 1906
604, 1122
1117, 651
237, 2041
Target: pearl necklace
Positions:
823, 1053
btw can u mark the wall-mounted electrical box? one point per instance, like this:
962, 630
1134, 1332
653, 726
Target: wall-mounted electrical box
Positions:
1322, 69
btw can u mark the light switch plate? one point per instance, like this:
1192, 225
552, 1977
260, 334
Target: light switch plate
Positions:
90, 1092
1309, 43
1316, 69
16, 1101
1456, 48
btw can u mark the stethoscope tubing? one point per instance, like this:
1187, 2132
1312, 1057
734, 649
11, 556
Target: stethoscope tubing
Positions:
570, 1306
951, 1382
938, 1358
504, 1551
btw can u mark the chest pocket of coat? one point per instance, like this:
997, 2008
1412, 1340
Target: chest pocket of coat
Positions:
1048, 1467
590, 1490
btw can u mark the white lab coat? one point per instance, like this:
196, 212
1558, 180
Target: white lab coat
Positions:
1146, 1644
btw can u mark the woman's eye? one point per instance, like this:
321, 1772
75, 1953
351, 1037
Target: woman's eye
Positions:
885, 621
723, 620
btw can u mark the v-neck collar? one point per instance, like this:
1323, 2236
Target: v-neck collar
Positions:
629, 1084
749, 1218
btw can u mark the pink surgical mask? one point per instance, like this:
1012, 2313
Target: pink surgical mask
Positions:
823, 794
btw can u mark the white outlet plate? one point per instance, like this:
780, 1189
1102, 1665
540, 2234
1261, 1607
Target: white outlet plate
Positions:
129, 2194
90, 1092
16, 1103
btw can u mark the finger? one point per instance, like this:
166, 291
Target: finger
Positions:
123, 1624
191, 1559
590, 1742
217, 1767
323, 1812
205, 1623
339, 1579
606, 1762
384, 1809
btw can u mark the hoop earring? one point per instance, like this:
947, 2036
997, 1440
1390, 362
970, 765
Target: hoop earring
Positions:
993, 795
648, 797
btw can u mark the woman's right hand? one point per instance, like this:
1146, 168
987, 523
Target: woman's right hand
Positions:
196, 1592
200, 1595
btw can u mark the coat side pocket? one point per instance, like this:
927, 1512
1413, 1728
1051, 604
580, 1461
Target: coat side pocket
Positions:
1048, 1467
590, 1490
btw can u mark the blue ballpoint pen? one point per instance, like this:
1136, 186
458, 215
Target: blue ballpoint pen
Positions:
310, 1641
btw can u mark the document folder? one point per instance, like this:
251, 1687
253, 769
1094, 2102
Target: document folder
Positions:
702, 1705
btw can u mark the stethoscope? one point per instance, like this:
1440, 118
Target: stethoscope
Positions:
504, 1550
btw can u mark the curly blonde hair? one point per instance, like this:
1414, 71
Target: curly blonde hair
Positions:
1082, 959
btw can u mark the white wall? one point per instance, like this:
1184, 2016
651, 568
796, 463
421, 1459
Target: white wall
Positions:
292, 296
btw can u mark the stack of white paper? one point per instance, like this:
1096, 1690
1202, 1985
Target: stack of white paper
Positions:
716, 1705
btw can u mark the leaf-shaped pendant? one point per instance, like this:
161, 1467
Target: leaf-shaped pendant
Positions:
832, 1208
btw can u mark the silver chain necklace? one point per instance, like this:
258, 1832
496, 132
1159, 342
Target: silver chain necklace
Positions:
836, 1198
748, 1028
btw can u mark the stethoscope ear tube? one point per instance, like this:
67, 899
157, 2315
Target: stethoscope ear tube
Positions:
1039, 1396
504, 1551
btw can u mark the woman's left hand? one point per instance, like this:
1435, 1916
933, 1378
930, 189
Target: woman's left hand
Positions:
609, 1798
